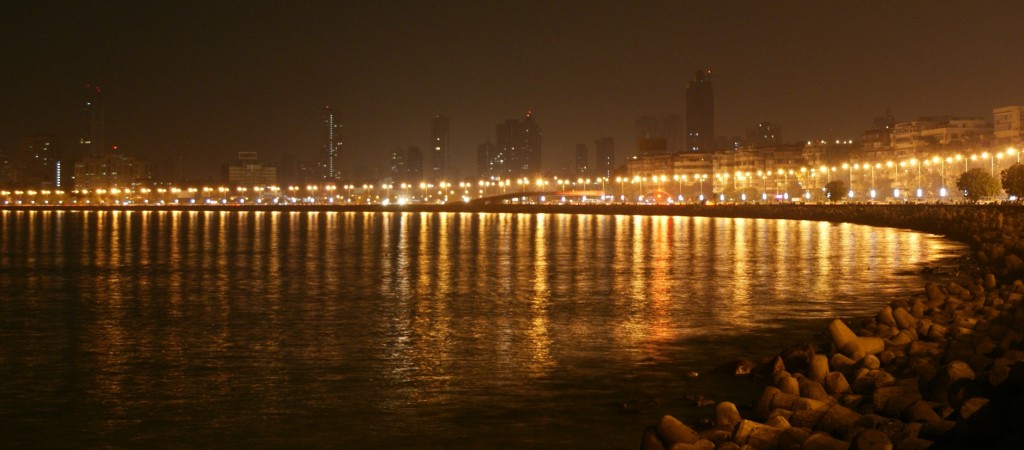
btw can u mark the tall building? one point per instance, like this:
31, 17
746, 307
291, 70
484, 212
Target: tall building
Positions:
486, 161
674, 132
439, 147
407, 165
414, 165
398, 167
650, 137
332, 145
700, 113
93, 139
518, 151
35, 164
604, 157
582, 160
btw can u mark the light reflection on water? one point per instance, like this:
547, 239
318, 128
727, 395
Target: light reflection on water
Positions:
357, 330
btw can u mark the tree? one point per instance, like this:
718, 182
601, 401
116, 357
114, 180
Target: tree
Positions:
1013, 180
977, 183
836, 190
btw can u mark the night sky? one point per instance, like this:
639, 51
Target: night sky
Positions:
206, 80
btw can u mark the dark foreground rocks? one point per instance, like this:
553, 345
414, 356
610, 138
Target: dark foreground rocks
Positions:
944, 369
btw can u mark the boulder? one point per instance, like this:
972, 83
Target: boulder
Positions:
838, 418
672, 431
756, 435
871, 440
949, 374
788, 385
836, 384
922, 411
863, 346
727, 415
971, 406
793, 438
650, 440
822, 441
797, 357
904, 319
840, 333
813, 389
885, 317
818, 368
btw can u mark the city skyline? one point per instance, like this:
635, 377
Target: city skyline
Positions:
202, 85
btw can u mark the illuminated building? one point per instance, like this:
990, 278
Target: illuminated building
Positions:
518, 151
332, 145
765, 134
604, 157
439, 147
110, 170
486, 161
1008, 125
407, 165
35, 164
93, 137
582, 157
249, 172
700, 113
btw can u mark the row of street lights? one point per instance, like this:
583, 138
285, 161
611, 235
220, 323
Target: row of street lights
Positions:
445, 191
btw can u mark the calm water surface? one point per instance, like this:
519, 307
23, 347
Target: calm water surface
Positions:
404, 330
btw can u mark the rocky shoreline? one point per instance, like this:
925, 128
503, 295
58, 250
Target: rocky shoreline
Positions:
943, 369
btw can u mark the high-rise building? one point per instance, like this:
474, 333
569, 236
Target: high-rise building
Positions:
604, 157
700, 113
518, 151
487, 161
413, 165
582, 160
398, 167
673, 132
439, 147
647, 127
93, 139
407, 165
332, 145
531, 152
35, 164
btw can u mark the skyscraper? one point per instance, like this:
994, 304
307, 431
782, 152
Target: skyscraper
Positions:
700, 113
399, 171
582, 160
486, 161
604, 155
518, 152
414, 165
92, 141
439, 147
332, 145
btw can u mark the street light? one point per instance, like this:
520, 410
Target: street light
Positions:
702, 177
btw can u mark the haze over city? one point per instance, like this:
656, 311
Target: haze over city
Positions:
199, 82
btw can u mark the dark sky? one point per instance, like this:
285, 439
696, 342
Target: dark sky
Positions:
205, 80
